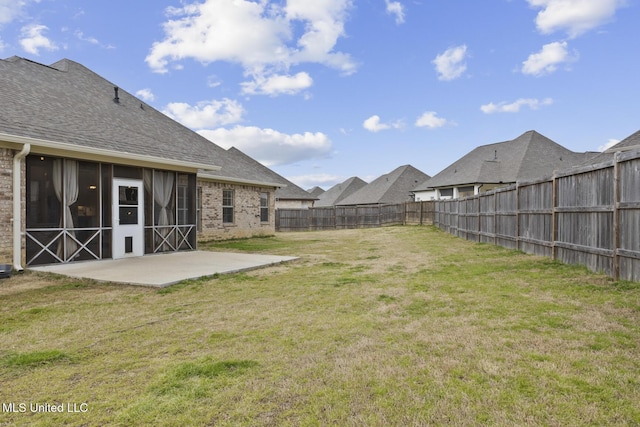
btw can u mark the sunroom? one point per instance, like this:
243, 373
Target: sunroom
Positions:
79, 210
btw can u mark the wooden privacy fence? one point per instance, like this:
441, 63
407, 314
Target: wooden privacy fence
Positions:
342, 217
588, 216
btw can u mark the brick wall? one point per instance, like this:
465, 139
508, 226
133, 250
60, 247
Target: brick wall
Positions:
6, 204
246, 211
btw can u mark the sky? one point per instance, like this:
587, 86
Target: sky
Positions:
324, 90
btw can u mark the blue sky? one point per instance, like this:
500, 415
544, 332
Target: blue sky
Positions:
324, 90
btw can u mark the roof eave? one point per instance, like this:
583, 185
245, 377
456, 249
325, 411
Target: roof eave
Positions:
47, 147
204, 175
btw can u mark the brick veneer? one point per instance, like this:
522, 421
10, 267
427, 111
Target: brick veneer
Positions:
246, 211
6, 204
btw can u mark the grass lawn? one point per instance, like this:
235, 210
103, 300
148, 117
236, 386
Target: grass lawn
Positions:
399, 326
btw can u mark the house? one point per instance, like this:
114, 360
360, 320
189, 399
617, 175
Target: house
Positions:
294, 197
89, 171
287, 194
315, 191
632, 142
339, 192
392, 188
527, 157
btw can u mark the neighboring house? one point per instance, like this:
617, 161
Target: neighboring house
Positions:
632, 142
339, 192
315, 191
287, 194
394, 187
530, 156
294, 197
88, 171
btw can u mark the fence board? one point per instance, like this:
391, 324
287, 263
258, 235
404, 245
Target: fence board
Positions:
629, 216
344, 217
588, 215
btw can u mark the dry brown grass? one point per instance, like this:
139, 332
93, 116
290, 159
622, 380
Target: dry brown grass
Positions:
393, 326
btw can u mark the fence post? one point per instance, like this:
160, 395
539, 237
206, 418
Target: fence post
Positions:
495, 217
517, 202
404, 207
478, 210
616, 216
554, 216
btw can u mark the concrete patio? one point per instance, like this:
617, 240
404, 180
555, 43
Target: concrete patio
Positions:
166, 269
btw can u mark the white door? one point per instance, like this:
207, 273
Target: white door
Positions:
128, 218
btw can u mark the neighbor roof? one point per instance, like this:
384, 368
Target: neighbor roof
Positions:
241, 163
393, 187
340, 191
316, 191
66, 106
528, 157
632, 142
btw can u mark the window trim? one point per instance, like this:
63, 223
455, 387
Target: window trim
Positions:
264, 208
228, 209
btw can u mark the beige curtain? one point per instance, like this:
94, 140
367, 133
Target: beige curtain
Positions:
65, 185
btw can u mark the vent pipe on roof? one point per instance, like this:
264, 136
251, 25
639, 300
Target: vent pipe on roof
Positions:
495, 154
116, 99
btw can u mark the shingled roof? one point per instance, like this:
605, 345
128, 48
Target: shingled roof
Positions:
315, 191
393, 187
528, 157
632, 142
240, 163
66, 106
339, 192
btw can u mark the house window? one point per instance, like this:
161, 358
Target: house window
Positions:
446, 192
466, 191
227, 206
264, 207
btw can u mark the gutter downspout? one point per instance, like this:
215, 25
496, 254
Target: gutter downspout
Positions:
17, 203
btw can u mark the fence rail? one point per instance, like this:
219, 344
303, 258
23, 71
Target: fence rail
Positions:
588, 216
343, 217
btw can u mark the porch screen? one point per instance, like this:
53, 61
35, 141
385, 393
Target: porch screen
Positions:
65, 185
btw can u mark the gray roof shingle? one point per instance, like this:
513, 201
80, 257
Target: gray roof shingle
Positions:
393, 187
66, 103
239, 163
527, 157
339, 192
316, 191
632, 142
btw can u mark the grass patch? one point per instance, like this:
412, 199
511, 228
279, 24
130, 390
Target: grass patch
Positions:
189, 375
377, 327
33, 359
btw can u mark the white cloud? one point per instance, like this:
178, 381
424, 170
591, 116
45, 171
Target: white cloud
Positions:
514, 107
373, 124
430, 120
547, 60
608, 145
10, 10
32, 39
396, 8
574, 16
80, 36
206, 114
261, 36
213, 81
277, 84
450, 64
322, 180
271, 147
145, 95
